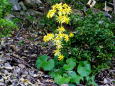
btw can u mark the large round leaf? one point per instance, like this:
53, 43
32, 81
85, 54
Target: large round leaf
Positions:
48, 65
70, 64
84, 68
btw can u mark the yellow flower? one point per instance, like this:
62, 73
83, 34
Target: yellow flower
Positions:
51, 13
57, 42
58, 46
60, 57
57, 52
71, 35
61, 29
67, 9
57, 6
54, 7
63, 19
66, 37
61, 12
61, 36
65, 5
48, 37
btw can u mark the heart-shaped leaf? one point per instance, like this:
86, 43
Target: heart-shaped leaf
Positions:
48, 65
70, 64
84, 68
44, 63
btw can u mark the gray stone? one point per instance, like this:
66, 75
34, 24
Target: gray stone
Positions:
2, 84
6, 72
33, 73
15, 4
22, 5
33, 1
8, 66
21, 66
16, 70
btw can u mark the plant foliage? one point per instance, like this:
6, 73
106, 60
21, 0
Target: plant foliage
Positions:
6, 26
87, 53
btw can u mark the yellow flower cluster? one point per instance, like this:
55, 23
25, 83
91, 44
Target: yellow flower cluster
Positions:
48, 37
61, 12
63, 19
57, 40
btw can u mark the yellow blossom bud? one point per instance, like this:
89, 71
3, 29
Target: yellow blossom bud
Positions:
51, 13
66, 37
61, 29
63, 19
60, 57
48, 37
57, 52
71, 35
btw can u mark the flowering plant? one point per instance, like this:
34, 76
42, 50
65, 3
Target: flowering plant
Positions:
60, 12
81, 57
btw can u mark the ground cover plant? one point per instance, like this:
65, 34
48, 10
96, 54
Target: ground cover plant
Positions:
80, 56
6, 26
71, 43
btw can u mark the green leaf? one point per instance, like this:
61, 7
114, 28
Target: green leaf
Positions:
84, 68
42, 62
47, 66
70, 64
91, 81
43, 57
55, 72
74, 77
61, 79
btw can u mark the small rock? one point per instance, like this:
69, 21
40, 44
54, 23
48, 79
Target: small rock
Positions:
22, 66
105, 81
6, 72
16, 70
8, 66
15, 4
33, 73
2, 84
22, 5
33, 2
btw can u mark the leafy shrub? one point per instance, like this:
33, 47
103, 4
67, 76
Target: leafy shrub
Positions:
5, 8
6, 26
86, 54
93, 40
